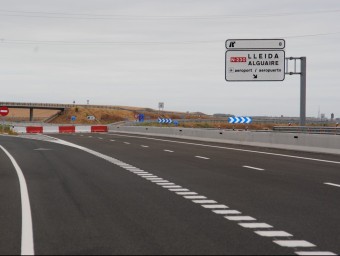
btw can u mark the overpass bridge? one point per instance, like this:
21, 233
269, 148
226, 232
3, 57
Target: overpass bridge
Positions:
51, 106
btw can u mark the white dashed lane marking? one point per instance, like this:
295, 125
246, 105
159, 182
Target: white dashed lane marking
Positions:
179, 189
195, 197
215, 206
226, 212
127, 143
204, 202
255, 225
273, 233
169, 151
294, 243
202, 157
219, 209
143, 146
254, 168
240, 218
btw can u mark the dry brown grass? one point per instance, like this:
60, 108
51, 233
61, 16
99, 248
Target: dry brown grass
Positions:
17, 114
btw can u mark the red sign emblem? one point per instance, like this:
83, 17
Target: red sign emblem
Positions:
4, 111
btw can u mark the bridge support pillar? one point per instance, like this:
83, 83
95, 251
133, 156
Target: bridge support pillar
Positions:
31, 114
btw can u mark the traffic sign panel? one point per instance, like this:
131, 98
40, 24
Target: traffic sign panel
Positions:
255, 65
4, 111
242, 44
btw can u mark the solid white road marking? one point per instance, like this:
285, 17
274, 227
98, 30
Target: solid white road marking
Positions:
254, 168
255, 225
234, 149
226, 212
273, 233
202, 157
127, 143
143, 146
311, 253
165, 183
27, 244
332, 184
294, 243
240, 218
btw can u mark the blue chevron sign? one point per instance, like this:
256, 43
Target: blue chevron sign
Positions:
240, 120
164, 120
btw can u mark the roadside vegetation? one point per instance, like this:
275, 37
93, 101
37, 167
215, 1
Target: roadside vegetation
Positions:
6, 130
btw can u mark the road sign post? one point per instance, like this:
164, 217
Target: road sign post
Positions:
4, 111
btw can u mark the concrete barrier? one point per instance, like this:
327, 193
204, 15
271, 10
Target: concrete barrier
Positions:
301, 142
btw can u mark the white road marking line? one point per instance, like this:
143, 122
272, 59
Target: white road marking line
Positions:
294, 243
165, 183
195, 197
255, 225
127, 143
90, 137
273, 233
170, 151
311, 253
112, 140
204, 202
234, 149
202, 157
154, 179
143, 146
226, 212
172, 186
254, 168
215, 206
160, 181
186, 193
144, 173
178, 189
284, 243
27, 243
332, 184
240, 218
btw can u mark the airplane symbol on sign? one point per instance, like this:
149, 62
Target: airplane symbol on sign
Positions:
232, 44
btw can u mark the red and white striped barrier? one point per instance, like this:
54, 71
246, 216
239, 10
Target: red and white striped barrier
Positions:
61, 129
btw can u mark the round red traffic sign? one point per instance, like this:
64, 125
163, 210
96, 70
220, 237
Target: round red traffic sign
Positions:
4, 111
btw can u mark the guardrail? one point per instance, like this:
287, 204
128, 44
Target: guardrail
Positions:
308, 130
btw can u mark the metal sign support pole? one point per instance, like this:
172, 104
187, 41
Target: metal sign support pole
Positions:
303, 84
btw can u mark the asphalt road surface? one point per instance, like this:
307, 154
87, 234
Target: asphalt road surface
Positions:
127, 194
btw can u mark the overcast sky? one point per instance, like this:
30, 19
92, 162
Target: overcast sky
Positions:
142, 52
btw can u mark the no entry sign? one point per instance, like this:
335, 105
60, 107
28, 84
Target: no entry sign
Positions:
4, 111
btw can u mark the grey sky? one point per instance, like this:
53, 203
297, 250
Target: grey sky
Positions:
139, 53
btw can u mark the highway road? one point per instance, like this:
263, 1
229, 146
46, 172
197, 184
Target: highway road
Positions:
127, 194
